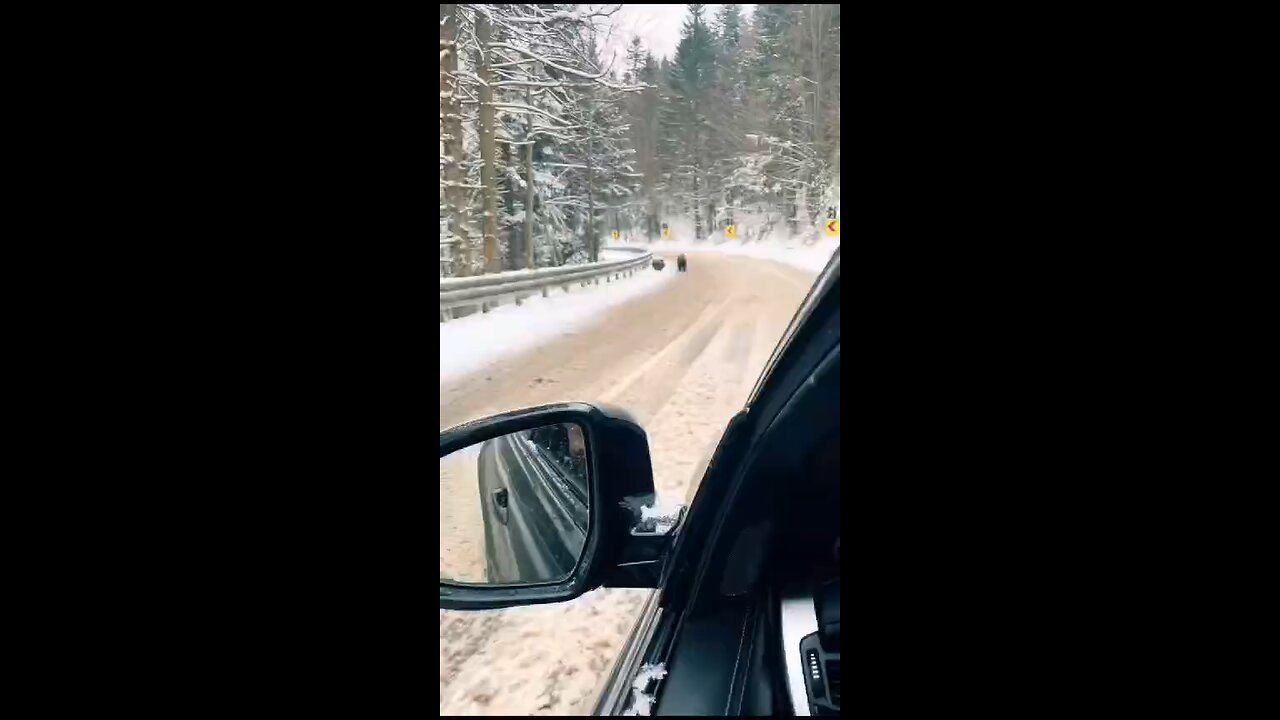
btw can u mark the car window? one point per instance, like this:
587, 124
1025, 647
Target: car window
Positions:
635, 200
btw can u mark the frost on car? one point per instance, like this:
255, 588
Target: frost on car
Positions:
652, 514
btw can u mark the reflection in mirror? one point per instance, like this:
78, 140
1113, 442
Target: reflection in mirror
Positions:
513, 509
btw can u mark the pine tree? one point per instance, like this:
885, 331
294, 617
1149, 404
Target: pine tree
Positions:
728, 118
729, 26
692, 76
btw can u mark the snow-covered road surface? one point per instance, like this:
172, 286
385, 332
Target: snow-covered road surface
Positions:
683, 358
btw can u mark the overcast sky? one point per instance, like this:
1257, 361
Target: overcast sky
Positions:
657, 25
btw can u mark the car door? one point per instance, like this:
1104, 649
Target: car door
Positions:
696, 650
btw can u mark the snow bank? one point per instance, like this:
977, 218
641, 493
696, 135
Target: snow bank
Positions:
470, 343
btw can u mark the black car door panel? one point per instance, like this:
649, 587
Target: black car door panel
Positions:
707, 652
724, 664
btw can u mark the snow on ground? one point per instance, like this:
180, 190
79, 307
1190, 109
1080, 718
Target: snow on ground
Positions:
607, 254
789, 250
470, 343
461, 521
806, 257
536, 659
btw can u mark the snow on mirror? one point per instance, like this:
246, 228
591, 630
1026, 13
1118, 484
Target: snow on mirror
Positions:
513, 509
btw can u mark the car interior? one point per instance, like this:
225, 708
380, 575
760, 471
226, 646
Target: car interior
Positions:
769, 637
808, 593
760, 634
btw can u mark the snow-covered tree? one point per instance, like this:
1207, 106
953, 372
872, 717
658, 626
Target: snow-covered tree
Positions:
546, 145
524, 76
689, 134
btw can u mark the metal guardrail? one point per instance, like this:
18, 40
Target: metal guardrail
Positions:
486, 291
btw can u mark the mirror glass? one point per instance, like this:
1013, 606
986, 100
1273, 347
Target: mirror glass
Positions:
513, 509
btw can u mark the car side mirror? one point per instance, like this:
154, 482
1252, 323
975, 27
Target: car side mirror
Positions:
543, 504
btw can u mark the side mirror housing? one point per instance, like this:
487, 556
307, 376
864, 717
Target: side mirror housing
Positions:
525, 473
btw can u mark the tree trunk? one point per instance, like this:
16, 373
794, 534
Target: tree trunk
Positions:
492, 263
593, 251
792, 208
816, 175
511, 259
451, 137
817, 12
651, 172
697, 209
528, 179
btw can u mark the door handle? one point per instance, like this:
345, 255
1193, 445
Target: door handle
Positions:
500, 505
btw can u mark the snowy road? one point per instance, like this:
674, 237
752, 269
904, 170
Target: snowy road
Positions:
683, 359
